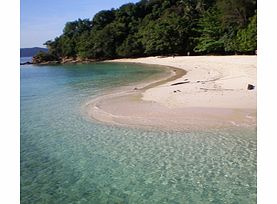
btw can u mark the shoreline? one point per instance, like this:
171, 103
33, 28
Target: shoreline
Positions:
204, 97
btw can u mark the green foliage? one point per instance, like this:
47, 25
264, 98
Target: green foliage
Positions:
103, 18
168, 35
211, 33
67, 46
247, 38
54, 47
131, 47
44, 57
85, 46
76, 28
161, 27
235, 13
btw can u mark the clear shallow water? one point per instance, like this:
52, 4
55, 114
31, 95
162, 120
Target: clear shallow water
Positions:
65, 158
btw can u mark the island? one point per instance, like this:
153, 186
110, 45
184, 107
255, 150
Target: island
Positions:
157, 28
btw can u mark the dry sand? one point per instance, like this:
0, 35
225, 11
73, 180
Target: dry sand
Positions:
214, 95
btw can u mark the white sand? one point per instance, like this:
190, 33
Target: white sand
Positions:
215, 96
223, 82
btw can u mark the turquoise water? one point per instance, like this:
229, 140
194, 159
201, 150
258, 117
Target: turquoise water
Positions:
66, 158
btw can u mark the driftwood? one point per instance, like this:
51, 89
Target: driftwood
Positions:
185, 82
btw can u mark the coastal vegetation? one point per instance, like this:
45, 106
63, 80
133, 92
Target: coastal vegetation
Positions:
43, 57
160, 27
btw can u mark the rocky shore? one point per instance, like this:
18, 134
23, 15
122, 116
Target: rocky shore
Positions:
59, 61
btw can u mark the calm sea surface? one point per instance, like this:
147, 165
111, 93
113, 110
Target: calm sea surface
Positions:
66, 158
25, 59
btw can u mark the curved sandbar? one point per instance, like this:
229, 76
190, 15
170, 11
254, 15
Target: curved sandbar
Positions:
213, 93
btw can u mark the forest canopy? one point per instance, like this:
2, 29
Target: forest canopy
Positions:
161, 27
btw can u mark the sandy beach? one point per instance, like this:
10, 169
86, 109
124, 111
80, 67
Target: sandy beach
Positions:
212, 93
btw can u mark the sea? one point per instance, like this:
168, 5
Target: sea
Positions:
65, 157
25, 59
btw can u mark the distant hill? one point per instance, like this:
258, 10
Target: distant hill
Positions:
30, 52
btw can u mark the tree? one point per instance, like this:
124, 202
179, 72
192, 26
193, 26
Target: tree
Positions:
211, 33
168, 35
68, 47
85, 46
131, 47
105, 41
234, 16
235, 13
161, 27
54, 47
247, 38
103, 18
76, 28
44, 57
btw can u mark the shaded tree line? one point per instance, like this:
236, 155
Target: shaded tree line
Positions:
161, 27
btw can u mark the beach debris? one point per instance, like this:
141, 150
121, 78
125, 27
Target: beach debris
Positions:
178, 83
216, 89
250, 87
177, 91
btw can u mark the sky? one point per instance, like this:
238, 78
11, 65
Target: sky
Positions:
42, 20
